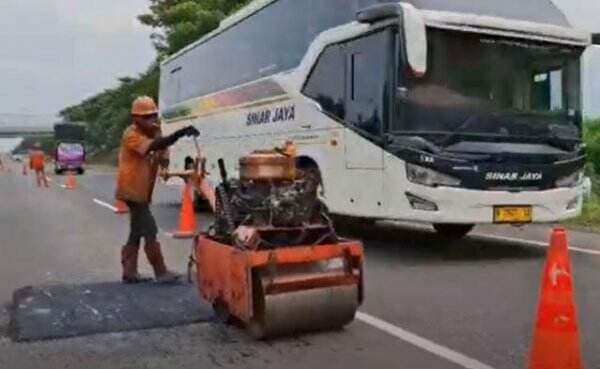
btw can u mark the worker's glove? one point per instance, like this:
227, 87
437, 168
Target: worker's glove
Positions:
189, 131
164, 162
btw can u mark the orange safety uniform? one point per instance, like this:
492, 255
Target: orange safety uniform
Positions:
37, 160
137, 167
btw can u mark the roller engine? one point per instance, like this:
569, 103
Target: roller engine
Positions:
274, 200
272, 259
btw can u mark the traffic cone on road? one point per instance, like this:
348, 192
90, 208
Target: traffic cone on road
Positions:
120, 207
556, 343
70, 182
187, 217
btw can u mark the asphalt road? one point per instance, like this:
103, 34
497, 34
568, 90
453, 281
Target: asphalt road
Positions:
431, 303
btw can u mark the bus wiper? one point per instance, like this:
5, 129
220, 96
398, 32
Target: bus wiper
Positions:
562, 143
460, 131
414, 142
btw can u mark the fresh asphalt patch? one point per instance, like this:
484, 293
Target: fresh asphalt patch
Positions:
61, 311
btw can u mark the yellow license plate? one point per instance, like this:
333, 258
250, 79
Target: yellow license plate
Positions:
513, 214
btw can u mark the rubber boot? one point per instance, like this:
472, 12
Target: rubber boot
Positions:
156, 259
129, 261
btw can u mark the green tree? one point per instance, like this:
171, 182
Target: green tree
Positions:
180, 22
177, 23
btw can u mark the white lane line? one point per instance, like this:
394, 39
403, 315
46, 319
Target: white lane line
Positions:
104, 204
422, 343
531, 243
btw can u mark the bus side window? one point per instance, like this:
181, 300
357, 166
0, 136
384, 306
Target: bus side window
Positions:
326, 82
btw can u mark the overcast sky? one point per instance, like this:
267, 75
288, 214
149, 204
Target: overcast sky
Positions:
57, 52
582, 13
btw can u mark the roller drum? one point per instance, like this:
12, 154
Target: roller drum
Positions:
315, 309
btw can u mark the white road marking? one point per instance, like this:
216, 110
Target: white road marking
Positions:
422, 343
104, 204
531, 243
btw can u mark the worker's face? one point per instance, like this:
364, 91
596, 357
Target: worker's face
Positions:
147, 123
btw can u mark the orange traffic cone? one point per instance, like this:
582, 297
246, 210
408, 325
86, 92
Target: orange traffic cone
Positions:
556, 342
70, 182
187, 217
120, 207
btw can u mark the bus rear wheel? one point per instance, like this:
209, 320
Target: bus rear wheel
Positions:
453, 230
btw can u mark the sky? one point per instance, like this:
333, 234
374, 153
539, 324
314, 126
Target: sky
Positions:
582, 13
57, 52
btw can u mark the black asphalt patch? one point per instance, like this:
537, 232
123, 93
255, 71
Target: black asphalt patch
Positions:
61, 311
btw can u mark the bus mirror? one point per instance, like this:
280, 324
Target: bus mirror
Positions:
415, 39
411, 21
596, 39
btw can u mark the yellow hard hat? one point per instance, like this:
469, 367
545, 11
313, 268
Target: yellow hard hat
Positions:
144, 105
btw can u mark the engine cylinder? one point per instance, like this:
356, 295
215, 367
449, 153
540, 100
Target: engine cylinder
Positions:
267, 166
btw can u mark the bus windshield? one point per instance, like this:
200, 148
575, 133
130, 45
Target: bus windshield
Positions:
480, 85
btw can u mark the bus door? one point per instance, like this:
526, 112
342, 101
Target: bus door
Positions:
368, 81
351, 83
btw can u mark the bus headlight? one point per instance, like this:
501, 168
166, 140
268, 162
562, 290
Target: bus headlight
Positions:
570, 181
429, 177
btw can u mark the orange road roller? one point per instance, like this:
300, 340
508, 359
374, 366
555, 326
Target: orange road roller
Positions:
272, 259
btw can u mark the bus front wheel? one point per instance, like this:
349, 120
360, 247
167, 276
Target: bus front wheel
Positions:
453, 230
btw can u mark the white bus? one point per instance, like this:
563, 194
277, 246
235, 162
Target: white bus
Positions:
448, 113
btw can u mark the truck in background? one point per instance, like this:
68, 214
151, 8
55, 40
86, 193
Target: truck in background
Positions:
70, 153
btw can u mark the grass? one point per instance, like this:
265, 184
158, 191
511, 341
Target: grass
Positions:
106, 158
590, 217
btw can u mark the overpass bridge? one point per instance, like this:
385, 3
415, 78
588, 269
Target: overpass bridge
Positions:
26, 125
18, 128
26, 131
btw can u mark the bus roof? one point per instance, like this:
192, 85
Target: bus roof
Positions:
535, 11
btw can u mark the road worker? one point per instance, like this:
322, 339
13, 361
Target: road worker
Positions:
37, 163
143, 149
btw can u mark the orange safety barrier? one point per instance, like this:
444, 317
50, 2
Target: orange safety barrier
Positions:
70, 182
188, 223
556, 343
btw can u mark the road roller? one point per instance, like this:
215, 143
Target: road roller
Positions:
272, 260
